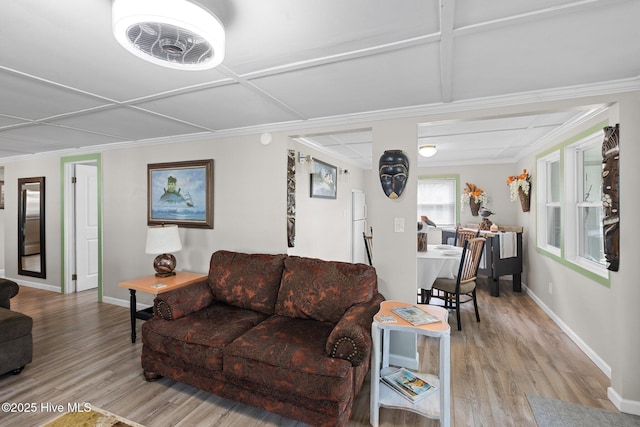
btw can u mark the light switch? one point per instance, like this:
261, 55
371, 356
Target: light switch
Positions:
398, 225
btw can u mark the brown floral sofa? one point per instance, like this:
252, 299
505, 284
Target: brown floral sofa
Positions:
287, 334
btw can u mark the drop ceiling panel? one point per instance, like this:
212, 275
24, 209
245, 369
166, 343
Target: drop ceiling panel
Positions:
556, 119
473, 126
128, 123
307, 60
56, 136
298, 31
470, 12
401, 78
495, 139
16, 147
33, 99
571, 49
222, 107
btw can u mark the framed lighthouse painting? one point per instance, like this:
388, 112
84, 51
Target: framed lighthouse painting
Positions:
180, 193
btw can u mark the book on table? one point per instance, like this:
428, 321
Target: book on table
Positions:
408, 384
415, 315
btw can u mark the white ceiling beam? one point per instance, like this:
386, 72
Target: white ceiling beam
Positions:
344, 56
262, 93
447, 9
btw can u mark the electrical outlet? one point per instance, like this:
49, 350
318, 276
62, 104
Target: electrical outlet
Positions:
550, 287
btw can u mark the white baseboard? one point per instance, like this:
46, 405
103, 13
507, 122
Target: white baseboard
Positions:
36, 285
600, 363
123, 303
624, 405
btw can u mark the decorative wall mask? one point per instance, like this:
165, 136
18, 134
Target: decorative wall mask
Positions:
610, 196
394, 171
291, 198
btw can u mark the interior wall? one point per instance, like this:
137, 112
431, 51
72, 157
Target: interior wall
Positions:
597, 316
323, 226
249, 206
250, 197
493, 180
49, 168
574, 296
394, 252
624, 283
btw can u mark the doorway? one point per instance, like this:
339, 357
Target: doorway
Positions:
82, 219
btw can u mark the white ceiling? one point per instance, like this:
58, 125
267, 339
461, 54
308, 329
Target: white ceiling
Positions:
66, 84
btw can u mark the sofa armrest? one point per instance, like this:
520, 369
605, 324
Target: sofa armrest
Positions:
183, 301
351, 337
8, 290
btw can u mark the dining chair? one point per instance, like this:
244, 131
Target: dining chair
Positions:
462, 235
368, 245
450, 290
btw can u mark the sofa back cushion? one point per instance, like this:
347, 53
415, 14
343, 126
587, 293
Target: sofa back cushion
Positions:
249, 281
323, 290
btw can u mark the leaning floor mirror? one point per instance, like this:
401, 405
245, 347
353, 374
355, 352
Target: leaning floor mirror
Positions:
31, 221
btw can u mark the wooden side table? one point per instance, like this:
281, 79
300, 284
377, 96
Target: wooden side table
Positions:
154, 285
435, 406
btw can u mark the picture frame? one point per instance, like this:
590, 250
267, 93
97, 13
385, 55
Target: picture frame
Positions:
324, 180
180, 193
1, 194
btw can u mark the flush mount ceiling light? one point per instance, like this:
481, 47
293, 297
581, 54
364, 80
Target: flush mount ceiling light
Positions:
427, 150
172, 33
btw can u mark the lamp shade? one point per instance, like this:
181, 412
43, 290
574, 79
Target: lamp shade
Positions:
163, 239
427, 150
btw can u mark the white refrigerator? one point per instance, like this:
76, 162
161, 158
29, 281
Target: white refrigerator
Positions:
358, 226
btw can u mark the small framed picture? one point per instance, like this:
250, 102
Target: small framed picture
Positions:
180, 193
324, 180
1, 194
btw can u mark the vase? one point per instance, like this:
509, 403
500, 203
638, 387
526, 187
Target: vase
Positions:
475, 206
525, 199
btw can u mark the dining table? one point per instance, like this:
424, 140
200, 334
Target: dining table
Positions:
439, 261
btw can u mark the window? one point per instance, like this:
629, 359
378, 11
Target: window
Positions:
437, 199
549, 196
583, 185
570, 210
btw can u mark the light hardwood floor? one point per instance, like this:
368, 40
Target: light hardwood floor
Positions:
83, 353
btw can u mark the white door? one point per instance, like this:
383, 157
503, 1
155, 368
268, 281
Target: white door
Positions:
86, 227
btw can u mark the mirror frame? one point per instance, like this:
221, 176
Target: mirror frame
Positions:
21, 226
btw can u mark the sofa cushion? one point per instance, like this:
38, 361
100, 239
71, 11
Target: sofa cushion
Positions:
323, 290
198, 339
289, 355
249, 281
14, 325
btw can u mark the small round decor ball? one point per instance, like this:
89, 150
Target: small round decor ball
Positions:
164, 264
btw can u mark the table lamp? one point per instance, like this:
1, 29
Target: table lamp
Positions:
161, 240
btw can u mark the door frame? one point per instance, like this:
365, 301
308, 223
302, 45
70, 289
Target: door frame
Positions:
67, 205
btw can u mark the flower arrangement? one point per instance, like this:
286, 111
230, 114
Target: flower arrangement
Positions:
478, 194
520, 181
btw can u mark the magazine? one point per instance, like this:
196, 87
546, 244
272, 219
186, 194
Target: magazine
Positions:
409, 385
415, 315
387, 318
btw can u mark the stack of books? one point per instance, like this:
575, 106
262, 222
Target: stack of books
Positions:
409, 385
